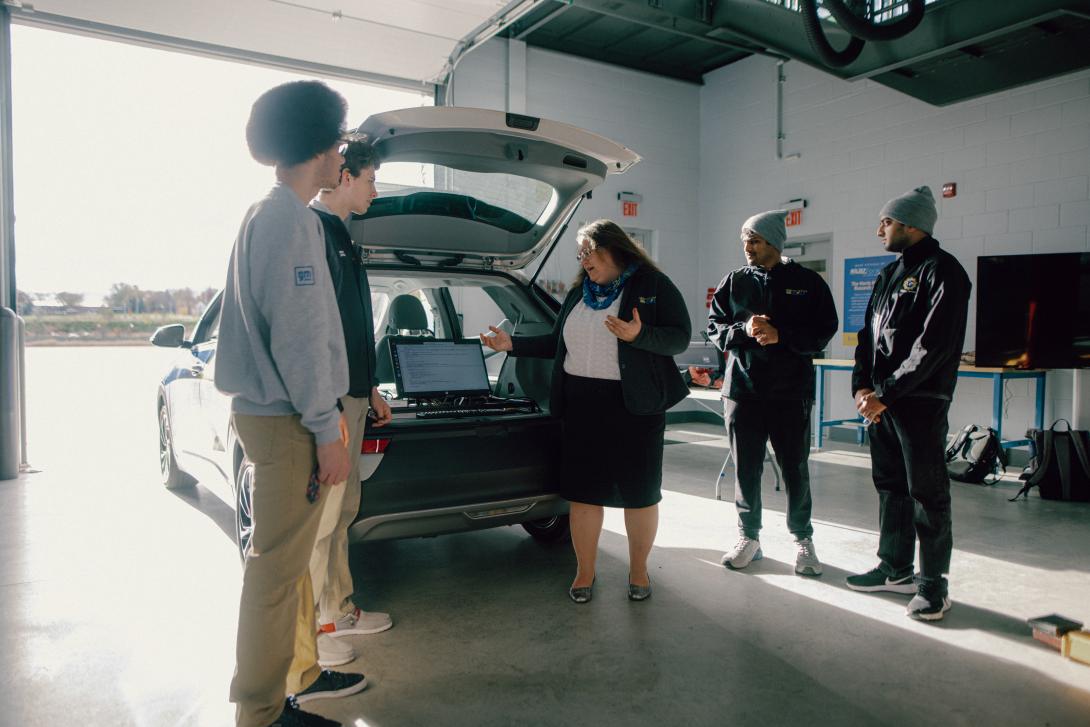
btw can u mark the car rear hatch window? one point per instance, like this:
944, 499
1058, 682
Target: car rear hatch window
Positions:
477, 188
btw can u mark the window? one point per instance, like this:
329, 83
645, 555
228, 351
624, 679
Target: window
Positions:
507, 201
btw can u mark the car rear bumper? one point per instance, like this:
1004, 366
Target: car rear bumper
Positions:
458, 519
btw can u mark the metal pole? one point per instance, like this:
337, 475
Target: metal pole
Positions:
11, 402
7, 196
10, 437
24, 461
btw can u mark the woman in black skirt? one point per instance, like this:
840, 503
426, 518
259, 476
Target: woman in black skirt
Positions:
613, 380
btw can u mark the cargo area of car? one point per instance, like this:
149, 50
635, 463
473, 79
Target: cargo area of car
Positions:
433, 467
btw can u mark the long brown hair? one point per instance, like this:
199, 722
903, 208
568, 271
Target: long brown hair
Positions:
608, 235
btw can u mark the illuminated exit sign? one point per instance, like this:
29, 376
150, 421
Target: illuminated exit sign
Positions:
794, 218
630, 203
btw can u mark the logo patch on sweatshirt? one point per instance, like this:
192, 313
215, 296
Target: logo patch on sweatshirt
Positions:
649, 299
304, 275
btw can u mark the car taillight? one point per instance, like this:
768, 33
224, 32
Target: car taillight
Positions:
374, 446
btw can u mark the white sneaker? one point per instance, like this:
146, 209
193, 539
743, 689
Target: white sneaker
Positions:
332, 652
358, 622
806, 562
743, 552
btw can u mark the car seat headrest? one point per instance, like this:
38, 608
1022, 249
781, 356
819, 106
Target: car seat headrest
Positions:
407, 313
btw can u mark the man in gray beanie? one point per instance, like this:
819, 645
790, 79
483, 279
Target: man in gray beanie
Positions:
772, 317
906, 366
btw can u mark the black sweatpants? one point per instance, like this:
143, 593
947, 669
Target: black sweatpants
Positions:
907, 448
750, 425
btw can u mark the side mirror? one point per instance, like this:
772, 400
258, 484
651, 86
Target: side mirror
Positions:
172, 336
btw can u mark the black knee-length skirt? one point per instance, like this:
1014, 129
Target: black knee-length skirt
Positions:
610, 456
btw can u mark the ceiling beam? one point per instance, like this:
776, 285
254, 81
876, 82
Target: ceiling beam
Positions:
158, 41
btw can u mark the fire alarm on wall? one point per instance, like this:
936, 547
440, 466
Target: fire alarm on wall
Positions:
950, 189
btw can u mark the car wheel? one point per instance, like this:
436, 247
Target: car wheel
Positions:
173, 478
550, 530
244, 504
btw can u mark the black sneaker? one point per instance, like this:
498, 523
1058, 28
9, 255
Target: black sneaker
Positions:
928, 607
332, 684
875, 580
292, 716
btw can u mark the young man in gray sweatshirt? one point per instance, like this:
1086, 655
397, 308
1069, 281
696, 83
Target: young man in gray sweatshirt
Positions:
281, 358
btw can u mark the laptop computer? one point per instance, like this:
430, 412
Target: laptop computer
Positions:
430, 368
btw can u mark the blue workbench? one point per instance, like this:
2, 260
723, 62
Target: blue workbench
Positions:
998, 376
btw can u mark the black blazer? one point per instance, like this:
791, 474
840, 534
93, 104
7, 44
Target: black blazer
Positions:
649, 377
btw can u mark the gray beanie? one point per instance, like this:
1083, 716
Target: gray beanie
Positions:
769, 225
915, 209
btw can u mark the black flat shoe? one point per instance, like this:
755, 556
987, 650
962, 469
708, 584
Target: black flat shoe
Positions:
582, 594
639, 593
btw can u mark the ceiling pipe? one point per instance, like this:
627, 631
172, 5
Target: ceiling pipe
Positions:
821, 45
870, 30
781, 137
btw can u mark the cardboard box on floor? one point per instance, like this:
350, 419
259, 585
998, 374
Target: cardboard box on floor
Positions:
1076, 646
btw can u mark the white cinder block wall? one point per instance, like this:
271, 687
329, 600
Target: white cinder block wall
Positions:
1021, 160
656, 117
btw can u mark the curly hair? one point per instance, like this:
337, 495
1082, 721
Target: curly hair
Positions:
295, 122
358, 155
608, 235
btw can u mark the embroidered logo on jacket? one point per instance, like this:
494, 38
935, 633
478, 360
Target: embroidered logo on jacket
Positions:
795, 291
304, 275
650, 299
910, 284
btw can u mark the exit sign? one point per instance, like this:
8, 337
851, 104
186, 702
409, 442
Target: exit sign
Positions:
630, 209
794, 218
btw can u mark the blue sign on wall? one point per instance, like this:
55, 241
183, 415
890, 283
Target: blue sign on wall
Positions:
859, 276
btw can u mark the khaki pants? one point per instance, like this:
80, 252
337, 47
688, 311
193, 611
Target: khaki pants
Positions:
330, 575
276, 591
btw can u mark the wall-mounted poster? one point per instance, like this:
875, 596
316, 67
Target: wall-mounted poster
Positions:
859, 276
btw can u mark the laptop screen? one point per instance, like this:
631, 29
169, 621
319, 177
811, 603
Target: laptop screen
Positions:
427, 367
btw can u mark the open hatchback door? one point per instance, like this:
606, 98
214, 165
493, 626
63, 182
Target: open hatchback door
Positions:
475, 188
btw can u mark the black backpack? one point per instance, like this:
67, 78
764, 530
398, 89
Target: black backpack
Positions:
974, 455
1061, 467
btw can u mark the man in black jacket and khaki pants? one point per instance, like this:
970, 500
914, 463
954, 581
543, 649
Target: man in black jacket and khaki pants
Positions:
771, 318
906, 365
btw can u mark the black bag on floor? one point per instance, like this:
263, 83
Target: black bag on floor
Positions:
1062, 469
974, 455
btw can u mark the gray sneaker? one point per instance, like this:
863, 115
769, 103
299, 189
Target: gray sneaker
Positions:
806, 562
334, 652
742, 554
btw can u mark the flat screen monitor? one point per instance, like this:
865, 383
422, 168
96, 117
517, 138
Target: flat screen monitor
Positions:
1033, 311
431, 368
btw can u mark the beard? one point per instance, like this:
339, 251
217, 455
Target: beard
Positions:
897, 243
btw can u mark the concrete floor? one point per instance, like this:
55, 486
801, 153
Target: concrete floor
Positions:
118, 599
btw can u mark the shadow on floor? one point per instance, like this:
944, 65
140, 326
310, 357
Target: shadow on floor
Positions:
215, 509
484, 620
985, 523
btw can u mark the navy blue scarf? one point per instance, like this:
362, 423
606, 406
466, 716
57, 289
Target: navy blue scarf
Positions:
601, 296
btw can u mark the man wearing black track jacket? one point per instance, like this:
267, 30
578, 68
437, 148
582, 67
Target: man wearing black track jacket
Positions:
906, 365
771, 318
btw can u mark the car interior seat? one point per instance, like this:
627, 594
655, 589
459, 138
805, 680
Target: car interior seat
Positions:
406, 318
